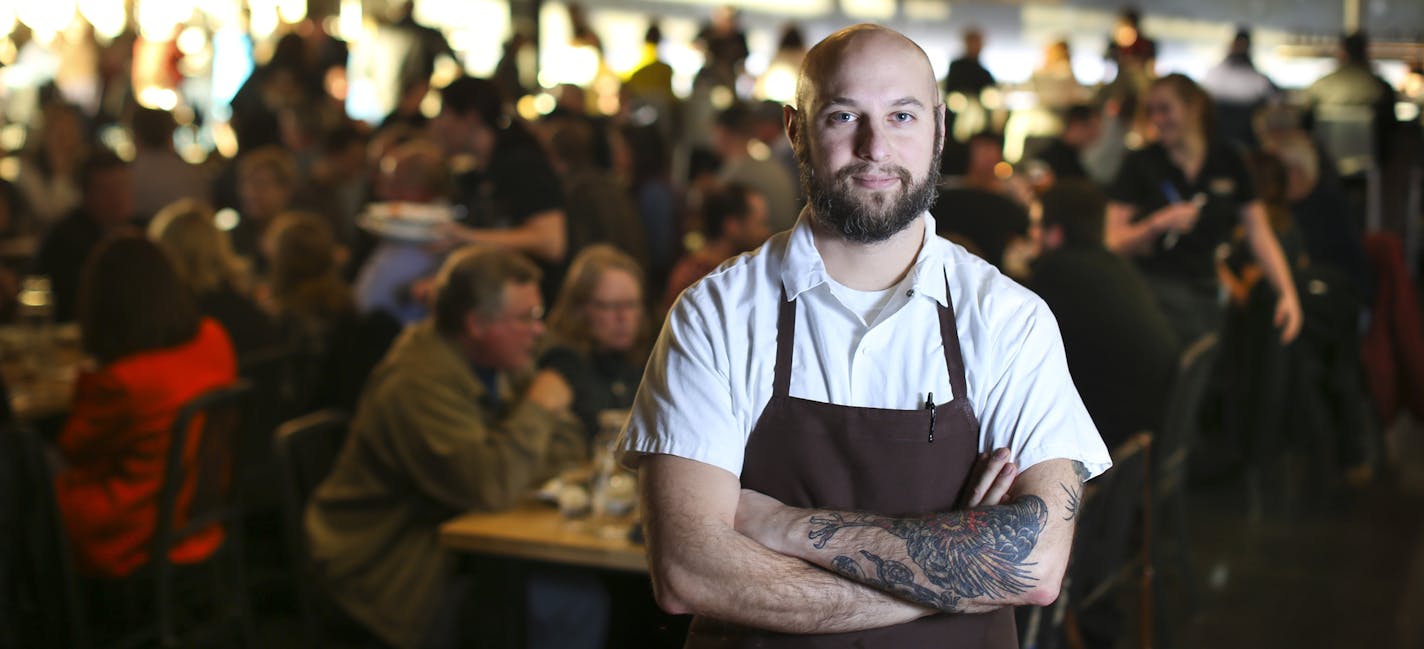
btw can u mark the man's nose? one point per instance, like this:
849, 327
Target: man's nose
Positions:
870, 142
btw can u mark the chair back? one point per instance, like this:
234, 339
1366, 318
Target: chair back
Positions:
306, 449
1183, 414
215, 419
41, 606
1111, 505
199, 492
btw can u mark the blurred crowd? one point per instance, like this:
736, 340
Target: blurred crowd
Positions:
1150, 212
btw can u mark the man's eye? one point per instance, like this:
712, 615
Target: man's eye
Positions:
904, 117
842, 117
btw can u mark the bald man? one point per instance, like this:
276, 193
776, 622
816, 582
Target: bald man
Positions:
860, 434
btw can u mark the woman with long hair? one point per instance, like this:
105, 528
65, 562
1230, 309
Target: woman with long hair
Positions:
304, 285
598, 332
220, 280
154, 354
1176, 202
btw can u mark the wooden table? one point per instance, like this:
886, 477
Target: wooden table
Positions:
40, 385
538, 532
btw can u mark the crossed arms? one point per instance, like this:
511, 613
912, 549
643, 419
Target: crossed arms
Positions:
742, 557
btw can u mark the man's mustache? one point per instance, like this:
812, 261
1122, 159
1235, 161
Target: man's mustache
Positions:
864, 168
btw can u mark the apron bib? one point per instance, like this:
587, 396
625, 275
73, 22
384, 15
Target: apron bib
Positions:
813, 454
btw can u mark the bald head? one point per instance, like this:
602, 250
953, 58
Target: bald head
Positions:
867, 131
863, 44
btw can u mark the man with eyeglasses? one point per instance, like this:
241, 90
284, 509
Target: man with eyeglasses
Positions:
452, 420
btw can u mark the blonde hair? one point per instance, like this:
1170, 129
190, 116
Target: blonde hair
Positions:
568, 323
201, 253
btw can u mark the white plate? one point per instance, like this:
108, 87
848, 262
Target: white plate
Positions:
400, 230
416, 222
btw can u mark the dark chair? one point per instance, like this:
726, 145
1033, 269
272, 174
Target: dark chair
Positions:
215, 469
1110, 555
1116, 515
41, 605
200, 604
1170, 458
306, 449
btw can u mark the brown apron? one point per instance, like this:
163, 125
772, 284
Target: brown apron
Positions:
812, 454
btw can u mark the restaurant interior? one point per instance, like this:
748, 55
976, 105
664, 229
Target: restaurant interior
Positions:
226, 225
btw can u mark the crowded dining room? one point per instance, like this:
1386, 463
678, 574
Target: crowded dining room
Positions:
433, 324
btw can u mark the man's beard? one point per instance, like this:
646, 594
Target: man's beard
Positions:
873, 218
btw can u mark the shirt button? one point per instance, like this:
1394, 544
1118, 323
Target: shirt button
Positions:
910, 293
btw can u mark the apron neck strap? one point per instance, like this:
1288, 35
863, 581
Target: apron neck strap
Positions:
786, 341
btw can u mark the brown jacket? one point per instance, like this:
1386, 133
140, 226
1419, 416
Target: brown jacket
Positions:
427, 443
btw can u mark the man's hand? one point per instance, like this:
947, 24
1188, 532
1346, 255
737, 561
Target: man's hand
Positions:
992, 476
550, 391
1177, 217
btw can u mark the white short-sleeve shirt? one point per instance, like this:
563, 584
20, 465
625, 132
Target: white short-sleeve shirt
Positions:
711, 372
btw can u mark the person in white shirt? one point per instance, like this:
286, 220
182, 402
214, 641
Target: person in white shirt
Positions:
860, 430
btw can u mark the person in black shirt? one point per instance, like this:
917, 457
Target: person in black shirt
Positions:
510, 194
1064, 155
1122, 351
599, 333
1176, 201
966, 74
108, 205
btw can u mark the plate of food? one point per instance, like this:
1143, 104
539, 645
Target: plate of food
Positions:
415, 222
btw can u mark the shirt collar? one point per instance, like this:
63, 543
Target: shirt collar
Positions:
804, 269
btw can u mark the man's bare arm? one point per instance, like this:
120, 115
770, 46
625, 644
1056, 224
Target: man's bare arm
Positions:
961, 562
700, 564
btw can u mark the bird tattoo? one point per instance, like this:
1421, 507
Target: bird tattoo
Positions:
980, 553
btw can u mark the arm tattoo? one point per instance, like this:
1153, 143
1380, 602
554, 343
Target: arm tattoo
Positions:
981, 553
1075, 496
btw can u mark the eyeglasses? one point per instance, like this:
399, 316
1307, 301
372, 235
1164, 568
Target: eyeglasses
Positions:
531, 316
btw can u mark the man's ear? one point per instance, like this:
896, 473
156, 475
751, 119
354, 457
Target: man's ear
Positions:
941, 115
474, 324
792, 127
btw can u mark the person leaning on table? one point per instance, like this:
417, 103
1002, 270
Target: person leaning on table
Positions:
829, 430
452, 420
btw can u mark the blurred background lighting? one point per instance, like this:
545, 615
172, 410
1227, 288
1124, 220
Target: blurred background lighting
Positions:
157, 19
292, 11
106, 16
45, 17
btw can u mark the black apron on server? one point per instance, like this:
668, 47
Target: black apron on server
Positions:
827, 456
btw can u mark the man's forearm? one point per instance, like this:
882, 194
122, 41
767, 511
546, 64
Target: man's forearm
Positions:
961, 562
739, 581
701, 565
